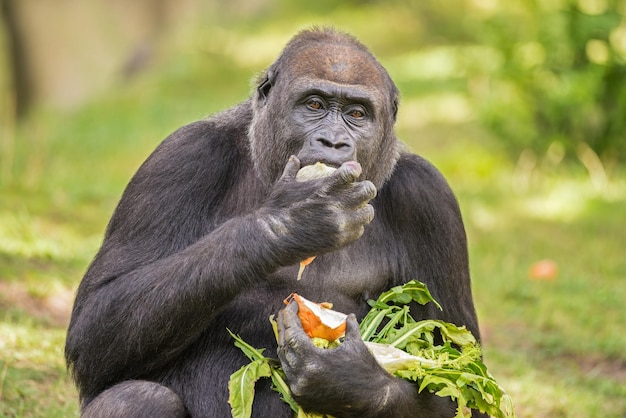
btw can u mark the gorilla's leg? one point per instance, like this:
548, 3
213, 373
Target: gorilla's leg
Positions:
136, 398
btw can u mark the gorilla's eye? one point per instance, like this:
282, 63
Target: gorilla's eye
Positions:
356, 114
314, 104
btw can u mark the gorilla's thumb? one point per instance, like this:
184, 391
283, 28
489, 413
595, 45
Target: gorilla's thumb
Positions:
291, 169
352, 327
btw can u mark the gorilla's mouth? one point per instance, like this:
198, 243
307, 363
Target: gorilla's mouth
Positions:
314, 171
309, 162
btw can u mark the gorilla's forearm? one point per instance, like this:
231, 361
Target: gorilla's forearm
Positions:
389, 397
125, 308
139, 320
401, 399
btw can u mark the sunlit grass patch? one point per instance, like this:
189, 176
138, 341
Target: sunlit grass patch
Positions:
24, 235
33, 379
544, 387
557, 343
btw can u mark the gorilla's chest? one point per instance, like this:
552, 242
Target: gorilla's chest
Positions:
356, 273
345, 273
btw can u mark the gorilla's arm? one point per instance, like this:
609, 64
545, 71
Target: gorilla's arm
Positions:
171, 258
419, 211
149, 292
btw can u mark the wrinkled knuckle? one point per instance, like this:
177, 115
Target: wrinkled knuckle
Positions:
299, 386
347, 176
290, 358
290, 342
370, 213
320, 193
371, 189
342, 224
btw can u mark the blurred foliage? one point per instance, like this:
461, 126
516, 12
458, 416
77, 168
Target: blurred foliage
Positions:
542, 76
561, 78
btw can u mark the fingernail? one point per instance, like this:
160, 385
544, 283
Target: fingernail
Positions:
353, 166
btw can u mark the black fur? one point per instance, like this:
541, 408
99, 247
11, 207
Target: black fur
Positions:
209, 233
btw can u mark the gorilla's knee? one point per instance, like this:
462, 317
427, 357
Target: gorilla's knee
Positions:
136, 399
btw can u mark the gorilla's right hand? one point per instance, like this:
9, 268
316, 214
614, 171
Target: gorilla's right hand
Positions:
317, 216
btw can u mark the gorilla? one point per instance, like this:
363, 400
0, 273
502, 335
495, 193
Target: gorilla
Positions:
209, 233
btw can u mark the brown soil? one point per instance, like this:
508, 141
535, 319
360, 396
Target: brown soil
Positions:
54, 309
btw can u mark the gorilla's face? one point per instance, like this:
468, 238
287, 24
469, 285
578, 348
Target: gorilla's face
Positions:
328, 103
331, 122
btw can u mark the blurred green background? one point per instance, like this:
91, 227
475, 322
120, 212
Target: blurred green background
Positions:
521, 104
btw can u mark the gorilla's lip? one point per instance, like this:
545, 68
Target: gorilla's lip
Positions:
308, 162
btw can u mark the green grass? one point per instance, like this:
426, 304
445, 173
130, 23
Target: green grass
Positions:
558, 346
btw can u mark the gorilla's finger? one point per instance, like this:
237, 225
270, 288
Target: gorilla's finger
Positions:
353, 340
352, 328
290, 331
355, 224
347, 173
369, 190
364, 191
291, 312
365, 215
282, 322
291, 169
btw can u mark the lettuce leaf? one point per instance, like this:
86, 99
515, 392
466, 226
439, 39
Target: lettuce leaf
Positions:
241, 386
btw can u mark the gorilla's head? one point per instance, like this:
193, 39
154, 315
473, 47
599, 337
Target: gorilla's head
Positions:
326, 98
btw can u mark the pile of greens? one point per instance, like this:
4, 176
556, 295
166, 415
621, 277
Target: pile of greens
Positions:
452, 368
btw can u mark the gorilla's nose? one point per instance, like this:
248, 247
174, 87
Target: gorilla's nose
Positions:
332, 143
334, 148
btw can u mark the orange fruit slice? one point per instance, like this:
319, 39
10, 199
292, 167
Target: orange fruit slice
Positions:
303, 264
318, 320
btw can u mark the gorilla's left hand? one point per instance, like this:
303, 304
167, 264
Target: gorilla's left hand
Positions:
343, 381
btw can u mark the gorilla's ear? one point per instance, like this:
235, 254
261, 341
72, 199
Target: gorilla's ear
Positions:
395, 103
265, 85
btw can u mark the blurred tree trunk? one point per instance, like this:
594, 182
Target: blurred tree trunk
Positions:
62, 51
16, 59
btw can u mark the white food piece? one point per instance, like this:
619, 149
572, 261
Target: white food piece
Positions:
393, 359
314, 171
328, 317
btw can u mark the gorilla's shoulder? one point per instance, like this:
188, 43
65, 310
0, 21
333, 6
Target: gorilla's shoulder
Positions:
224, 129
201, 154
412, 170
220, 138
416, 182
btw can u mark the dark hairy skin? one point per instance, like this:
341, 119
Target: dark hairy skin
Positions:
210, 230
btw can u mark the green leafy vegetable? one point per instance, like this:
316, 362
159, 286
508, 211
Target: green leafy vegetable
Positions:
453, 369
405, 348
241, 383
241, 386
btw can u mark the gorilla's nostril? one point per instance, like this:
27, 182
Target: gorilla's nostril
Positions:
325, 142
333, 143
